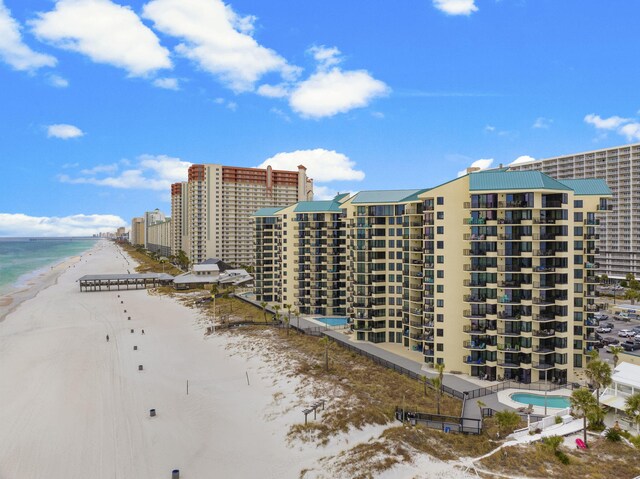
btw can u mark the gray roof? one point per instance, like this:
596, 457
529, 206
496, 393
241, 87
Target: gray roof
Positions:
317, 206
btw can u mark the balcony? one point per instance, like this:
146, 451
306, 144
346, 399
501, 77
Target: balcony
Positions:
475, 345
470, 360
543, 365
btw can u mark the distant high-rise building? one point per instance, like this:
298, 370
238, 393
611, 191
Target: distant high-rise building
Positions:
151, 218
180, 217
220, 201
619, 229
137, 231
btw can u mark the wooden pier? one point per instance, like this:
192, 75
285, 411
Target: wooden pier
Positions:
117, 282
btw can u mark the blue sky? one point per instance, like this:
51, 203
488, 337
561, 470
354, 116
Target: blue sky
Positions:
104, 103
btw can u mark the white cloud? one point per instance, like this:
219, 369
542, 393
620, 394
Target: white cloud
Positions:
627, 127
105, 32
321, 192
13, 50
456, 7
64, 131
100, 169
167, 83
322, 165
522, 159
327, 93
151, 173
273, 91
483, 164
489, 128
377, 114
58, 82
218, 40
326, 57
631, 131
280, 113
232, 105
610, 123
542, 122
17, 224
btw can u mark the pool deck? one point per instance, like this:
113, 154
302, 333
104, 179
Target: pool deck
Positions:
504, 397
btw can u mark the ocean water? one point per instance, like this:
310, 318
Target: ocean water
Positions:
21, 258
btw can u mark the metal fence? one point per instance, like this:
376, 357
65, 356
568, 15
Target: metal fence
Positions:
440, 421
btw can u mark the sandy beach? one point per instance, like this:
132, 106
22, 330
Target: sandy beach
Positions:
76, 406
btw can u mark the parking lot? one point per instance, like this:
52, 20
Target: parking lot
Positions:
618, 325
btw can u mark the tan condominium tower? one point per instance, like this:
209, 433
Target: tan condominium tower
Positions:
180, 218
221, 200
619, 227
491, 274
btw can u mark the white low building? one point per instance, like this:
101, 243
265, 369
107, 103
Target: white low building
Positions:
625, 381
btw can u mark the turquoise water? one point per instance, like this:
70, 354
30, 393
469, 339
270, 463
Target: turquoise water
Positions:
559, 402
21, 257
334, 321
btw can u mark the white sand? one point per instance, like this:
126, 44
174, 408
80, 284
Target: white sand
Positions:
75, 406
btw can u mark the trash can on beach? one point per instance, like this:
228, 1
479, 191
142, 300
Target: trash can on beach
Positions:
152, 412
175, 474
135, 348
140, 367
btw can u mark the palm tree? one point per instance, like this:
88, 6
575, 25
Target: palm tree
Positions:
633, 409
616, 350
507, 420
263, 305
288, 308
599, 373
437, 383
583, 402
277, 309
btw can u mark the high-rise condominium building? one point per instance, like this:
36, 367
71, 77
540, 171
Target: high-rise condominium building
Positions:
180, 218
137, 231
221, 200
159, 237
491, 274
619, 227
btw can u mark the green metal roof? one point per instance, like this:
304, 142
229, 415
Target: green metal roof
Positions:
386, 196
493, 180
270, 211
317, 206
588, 186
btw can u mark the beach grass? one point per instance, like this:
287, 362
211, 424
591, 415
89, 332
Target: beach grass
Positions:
146, 264
602, 460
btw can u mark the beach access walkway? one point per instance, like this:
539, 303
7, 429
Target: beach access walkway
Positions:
110, 282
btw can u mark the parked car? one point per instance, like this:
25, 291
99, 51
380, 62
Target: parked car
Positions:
601, 316
631, 345
611, 341
603, 329
625, 333
609, 325
622, 317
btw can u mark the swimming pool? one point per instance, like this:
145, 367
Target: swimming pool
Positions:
559, 402
334, 321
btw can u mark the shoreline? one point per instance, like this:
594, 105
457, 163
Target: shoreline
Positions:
30, 284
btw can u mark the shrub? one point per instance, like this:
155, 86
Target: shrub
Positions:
558, 420
613, 435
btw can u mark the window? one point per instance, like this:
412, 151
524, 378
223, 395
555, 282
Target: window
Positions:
577, 259
440, 318
577, 360
392, 243
440, 333
577, 231
440, 230
440, 288
440, 273
440, 303
399, 323
392, 301
440, 244
577, 288
439, 347
577, 203
577, 216
440, 215
391, 289
577, 274
440, 259
440, 200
